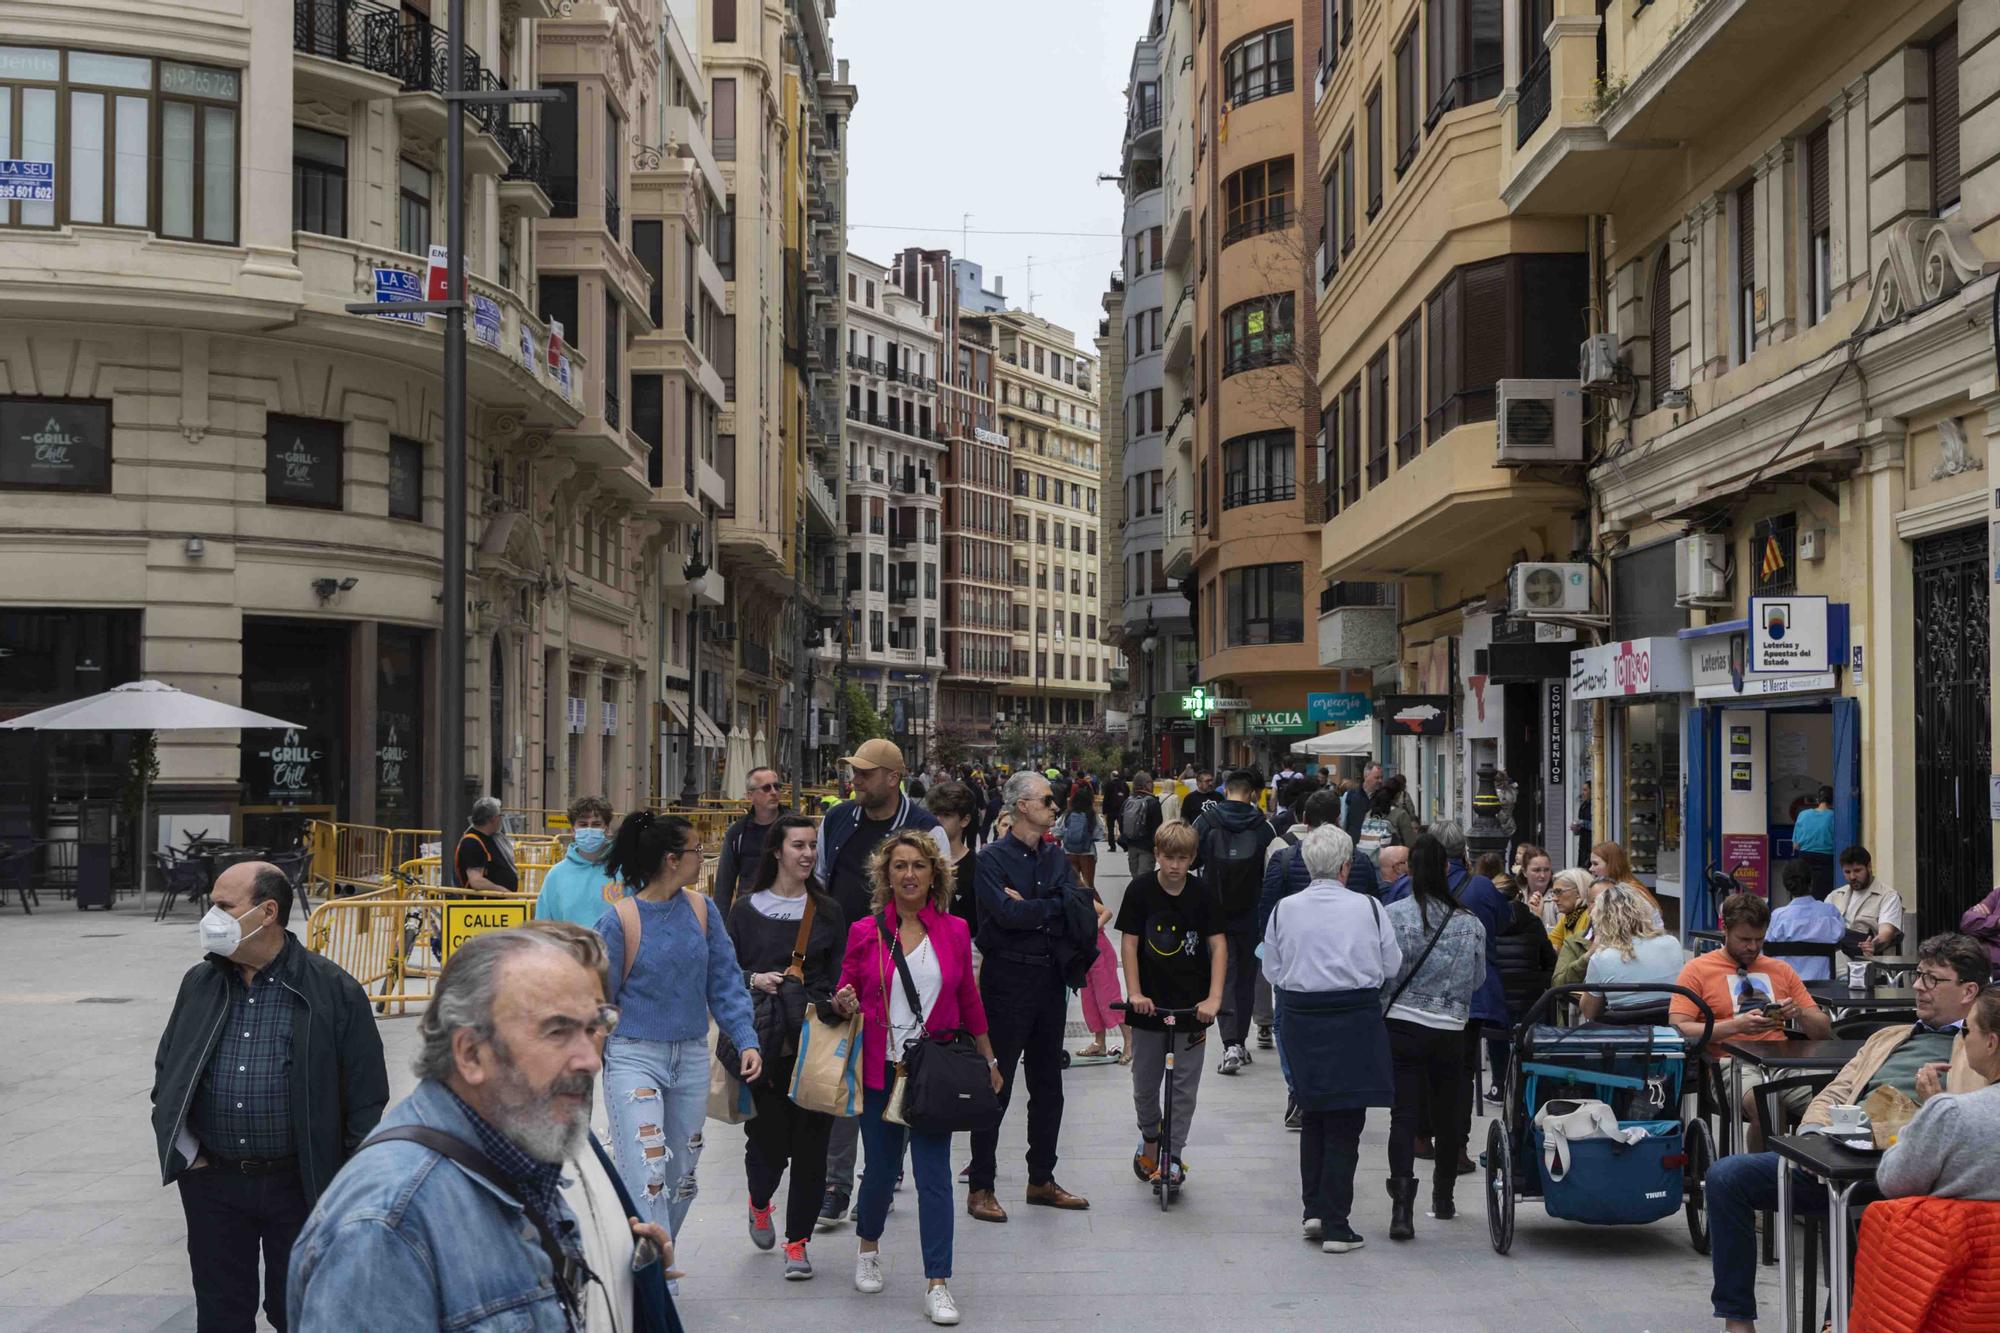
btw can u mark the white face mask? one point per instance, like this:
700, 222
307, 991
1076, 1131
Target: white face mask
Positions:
222, 933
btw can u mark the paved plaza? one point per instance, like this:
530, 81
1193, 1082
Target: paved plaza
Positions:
89, 1240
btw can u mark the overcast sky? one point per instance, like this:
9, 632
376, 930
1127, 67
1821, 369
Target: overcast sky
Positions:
1008, 112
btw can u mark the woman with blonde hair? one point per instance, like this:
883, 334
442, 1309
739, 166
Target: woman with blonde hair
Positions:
1626, 946
910, 926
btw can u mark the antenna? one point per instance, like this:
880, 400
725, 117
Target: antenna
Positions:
964, 233
1032, 293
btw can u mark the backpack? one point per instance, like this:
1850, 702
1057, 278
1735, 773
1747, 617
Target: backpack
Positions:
1079, 833
1132, 818
1233, 860
1376, 833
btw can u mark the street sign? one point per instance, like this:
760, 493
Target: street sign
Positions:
31, 182
465, 919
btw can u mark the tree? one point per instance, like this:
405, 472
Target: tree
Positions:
951, 745
863, 722
1015, 744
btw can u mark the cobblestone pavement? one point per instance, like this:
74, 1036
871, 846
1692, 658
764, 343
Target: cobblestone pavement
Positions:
89, 1240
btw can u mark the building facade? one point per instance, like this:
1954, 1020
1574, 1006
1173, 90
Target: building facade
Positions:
896, 443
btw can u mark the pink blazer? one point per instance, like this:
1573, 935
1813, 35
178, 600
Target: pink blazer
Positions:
868, 964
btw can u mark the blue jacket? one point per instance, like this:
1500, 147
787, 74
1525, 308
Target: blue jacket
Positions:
1477, 895
1285, 874
576, 889
406, 1238
841, 821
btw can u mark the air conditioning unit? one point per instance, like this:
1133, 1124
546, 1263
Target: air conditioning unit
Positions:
724, 631
1540, 422
1598, 364
1546, 589
1701, 570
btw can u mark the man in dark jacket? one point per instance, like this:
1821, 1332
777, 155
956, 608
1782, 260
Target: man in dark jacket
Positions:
1145, 822
268, 1077
1232, 836
1115, 792
1355, 807
743, 842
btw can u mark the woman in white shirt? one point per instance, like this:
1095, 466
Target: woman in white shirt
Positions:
1627, 945
1327, 953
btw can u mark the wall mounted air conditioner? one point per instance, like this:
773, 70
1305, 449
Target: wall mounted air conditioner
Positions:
1701, 570
1540, 423
1598, 364
1547, 589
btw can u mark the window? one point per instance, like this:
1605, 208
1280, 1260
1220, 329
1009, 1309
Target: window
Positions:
302, 462
1329, 455
1944, 123
1409, 390
1746, 271
406, 478
1347, 195
558, 303
413, 207
612, 343
1259, 333
55, 444
1350, 442
724, 248
1257, 469
1409, 124
725, 20
1519, 316
1257, 199
1464, 52
1263, 604
722, 120
1662, 313
1258, 66
1374, 151
96, 115
559, 129
649, 248
1378, 418
1329, 232
1819, 227
319, 182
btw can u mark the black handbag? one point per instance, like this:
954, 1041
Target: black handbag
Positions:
947, 1084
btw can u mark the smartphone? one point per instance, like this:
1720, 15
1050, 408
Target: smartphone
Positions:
1774, 1011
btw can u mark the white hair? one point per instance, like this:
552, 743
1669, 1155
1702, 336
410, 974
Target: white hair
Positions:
485, 810
1019, 786
1452, 834
1327, 850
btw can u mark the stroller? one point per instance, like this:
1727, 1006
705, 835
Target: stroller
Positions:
1643, 1070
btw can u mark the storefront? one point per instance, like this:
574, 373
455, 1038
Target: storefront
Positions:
296, 670
1646, 687
1761, 743
399, 727
1171, 734
1268, 734
1515, 708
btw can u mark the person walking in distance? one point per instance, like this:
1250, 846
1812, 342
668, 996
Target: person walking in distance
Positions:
1021, 884
849, 836
1204, 792
743, 841
1139, 819
1080, 831
1115, 793
1354, 806
1175, 957
1232, 836
268, 1076
672, 966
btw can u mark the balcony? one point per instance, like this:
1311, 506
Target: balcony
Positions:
756, 657
1269, 219
1357, 626
822, 506
525, 182
1235, 496
348, 49
423, 65
1180, 330
1142, 127
614, 217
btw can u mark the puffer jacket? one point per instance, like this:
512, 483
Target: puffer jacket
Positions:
1924, 1264
1526, 959
1443, 983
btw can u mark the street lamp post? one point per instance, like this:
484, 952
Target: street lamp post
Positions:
1146, 647
694, 571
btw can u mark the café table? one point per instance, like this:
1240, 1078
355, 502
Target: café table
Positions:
1843, 1170
1889, 967
1793, 1055
1840, 1000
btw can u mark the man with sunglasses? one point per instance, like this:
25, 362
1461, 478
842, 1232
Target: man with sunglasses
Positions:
743, 843
1920, 1060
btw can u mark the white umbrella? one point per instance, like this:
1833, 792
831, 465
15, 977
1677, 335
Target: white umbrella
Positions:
145, 705
1355, 740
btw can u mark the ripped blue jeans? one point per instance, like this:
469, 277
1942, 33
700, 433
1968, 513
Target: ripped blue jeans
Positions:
656, 1094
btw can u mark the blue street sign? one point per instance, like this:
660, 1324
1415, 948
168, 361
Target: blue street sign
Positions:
31, 182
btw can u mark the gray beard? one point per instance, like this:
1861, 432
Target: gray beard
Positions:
531, 1124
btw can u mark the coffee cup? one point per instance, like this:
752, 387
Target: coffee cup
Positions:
1857, 976
1847, 1117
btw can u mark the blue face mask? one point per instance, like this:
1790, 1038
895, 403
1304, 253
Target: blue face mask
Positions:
590, 841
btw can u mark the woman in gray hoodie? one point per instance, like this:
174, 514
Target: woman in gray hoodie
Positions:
1427, 1007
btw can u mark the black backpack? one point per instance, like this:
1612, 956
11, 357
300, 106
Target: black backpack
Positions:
1233, 861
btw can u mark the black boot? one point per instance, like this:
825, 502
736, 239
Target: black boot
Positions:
1441, 1205
1402, 1207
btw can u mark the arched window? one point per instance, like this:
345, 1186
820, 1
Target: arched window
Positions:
1661, 307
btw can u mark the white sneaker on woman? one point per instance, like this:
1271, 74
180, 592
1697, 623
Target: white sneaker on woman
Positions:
868, 1272
939, 1305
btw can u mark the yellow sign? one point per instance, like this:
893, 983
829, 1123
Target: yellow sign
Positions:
464, 920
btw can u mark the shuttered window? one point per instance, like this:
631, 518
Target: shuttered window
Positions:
1347, 183
1375, 151
1662, 311
1944, 123
1378, 418
1329, 443
1350, 442
1517, 317
1409, 395
1819, 227
1746, 271
1329, 233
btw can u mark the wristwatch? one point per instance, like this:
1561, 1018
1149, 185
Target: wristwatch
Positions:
992, 1062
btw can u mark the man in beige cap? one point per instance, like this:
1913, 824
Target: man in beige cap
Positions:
848, 836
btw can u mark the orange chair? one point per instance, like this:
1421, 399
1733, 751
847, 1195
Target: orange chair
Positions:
1925, 1264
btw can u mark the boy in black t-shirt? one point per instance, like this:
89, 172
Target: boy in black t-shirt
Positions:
1175, 957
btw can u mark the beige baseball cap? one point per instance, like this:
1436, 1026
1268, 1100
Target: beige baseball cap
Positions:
875, 754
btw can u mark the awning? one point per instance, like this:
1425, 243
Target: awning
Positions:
1351, 741
707, 736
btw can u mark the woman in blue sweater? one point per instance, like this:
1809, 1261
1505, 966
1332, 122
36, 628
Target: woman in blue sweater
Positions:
673, 966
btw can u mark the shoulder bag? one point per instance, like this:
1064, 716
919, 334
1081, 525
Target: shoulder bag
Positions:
776, 1016
943, 1085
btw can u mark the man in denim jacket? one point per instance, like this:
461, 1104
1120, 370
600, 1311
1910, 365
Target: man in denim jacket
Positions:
407, 1238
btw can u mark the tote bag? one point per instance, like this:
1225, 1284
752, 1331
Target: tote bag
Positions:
728, 1100
827, 1074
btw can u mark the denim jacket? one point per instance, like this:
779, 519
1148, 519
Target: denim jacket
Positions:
406, 1238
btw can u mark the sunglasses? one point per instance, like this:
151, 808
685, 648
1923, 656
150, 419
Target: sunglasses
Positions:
767, 786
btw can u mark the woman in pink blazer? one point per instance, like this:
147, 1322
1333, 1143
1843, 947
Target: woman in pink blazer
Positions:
912, 905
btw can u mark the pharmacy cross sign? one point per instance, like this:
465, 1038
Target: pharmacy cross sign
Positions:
1197, 702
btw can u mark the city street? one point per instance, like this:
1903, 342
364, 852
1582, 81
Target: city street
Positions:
91, 1241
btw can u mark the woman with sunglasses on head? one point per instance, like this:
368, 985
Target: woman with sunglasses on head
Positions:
672, 966
765, 925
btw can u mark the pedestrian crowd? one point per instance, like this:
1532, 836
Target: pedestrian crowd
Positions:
858, 990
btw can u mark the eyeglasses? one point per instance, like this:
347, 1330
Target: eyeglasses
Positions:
1930, 980
767, 786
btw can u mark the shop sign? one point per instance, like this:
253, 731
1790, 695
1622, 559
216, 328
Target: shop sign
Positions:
463, 920
390, 756
992, 437
1789, 635
1720, 670
1629, 667
54, 445
1343, 707
1416, 714
302, 462
1554, 738
1743, 858
1278, 722
292, 773
1227, 703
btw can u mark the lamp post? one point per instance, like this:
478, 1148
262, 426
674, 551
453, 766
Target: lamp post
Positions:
694, 571
1485, 833
1146, 647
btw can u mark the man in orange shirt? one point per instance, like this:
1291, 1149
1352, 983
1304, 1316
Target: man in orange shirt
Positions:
1753, 997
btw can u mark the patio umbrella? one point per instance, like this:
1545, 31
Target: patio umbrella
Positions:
1358, 739
145, 705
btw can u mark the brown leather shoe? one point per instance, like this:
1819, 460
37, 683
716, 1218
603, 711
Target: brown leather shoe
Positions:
1053, 1195
981, 1206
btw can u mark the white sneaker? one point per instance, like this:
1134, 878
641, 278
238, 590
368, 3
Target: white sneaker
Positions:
1232, 1060
868, 1272
1311, 1228
939, 1305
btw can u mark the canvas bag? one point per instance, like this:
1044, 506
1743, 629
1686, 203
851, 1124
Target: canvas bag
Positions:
827, 1075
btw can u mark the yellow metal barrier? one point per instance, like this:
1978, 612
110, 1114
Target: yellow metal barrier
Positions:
357, 856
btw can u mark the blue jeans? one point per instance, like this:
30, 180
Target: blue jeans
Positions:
930, 1159
656, 1094
1737, 1189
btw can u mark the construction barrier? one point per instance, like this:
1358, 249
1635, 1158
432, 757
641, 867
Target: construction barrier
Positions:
346, 858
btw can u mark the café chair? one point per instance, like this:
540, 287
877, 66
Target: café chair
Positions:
1772, 1120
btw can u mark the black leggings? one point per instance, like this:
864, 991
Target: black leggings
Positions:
783, 1131
1430, 1074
